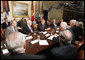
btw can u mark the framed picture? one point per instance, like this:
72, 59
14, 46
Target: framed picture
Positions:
19, 9
1, 6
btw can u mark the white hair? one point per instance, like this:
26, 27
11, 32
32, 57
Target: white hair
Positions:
63, 25
29, 21
73, 21
15, 41
67, 35
81, 23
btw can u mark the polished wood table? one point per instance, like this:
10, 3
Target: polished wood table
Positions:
36, 48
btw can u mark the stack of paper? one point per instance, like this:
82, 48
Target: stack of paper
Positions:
57, 31
5, 51
29, 37
34, 41
51, 37
43, 42
47, 35
44, 32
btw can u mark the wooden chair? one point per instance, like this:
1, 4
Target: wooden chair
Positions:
80, 52
81, 42
3, 34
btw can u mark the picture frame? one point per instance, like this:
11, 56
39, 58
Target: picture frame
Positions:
1, 6
20, 9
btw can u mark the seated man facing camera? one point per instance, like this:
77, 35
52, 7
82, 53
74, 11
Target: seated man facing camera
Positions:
28, 27
15, 44
66, 50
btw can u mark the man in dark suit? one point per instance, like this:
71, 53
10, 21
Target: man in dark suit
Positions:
42, 26
76, 30
28, 27
5, 24
66, 50
15, 44
53, 24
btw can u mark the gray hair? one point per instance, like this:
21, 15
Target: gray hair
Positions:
63, 25
67, 36
73, 21
15, 41
12, 22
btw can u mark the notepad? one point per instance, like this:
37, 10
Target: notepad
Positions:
29, 37
5, 51
34, 41
43, 42
47, 35
51, 37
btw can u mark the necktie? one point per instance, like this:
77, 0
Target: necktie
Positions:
7, 23
31, 29
42, 26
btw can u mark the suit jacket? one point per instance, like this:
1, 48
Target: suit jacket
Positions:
64, 52
15, 55
4, 25
76, 31
10, 30
52, 25
26, 29
42, 28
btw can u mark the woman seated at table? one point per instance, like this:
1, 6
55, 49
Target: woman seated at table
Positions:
28, 27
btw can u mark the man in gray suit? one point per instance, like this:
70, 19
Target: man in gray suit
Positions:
11, 29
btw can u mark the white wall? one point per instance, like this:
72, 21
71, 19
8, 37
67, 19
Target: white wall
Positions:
10, 17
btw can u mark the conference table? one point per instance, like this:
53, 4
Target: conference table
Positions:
36, 48
33, 48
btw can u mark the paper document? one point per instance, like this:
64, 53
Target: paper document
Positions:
41, 32
43, 42
5, 51
29, 37
34, 41
51, 37
44, 32
19, 28
47, 35
57, 31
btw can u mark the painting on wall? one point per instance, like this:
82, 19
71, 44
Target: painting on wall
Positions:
19, 9
1, 6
